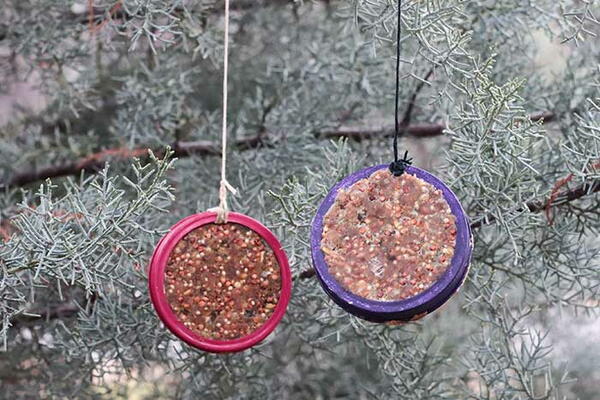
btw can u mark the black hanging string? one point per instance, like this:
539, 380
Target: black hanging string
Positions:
398, 166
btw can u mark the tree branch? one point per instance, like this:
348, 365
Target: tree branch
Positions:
61, 310
413, 99
65, 310
96, 161
423, 130
536, 206
359, 133
98, 14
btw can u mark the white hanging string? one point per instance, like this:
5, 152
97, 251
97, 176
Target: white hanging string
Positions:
222, 210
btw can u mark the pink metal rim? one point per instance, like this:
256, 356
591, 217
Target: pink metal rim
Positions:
156, 280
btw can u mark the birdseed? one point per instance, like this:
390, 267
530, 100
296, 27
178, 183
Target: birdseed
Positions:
389, 238
222, 281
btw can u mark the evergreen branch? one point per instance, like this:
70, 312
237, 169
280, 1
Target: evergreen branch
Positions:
421, 130
417, 130
95, 162
413, 99
536, 206
65, 310
115, 78
358, 133
97, 14
59, 311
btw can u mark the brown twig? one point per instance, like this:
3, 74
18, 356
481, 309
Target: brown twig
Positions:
95, 27
555, 193
102, 156
62, 310
413, 100
423, 130
6, 230
545, 116
358, 133
96, 161
65, 310
536, 206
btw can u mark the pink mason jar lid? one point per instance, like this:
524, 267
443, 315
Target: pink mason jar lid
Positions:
156, 283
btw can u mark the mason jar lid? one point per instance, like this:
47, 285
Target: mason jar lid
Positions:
413, 307
156, 283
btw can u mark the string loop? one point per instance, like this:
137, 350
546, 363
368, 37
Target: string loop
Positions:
398, 166
223, 209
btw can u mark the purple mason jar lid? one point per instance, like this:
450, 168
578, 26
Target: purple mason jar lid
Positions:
402, 310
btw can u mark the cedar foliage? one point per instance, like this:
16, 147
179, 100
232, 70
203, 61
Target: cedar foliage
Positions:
127, 144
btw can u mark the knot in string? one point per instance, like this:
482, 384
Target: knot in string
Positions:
397, 167
222, 209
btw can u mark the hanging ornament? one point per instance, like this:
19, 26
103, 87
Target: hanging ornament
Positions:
220, 281
220, 287
391, 242
390, 248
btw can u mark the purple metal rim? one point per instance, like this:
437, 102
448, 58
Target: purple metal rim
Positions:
402, 310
